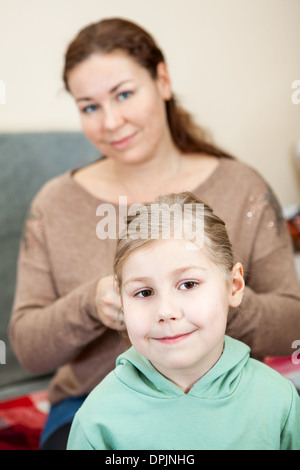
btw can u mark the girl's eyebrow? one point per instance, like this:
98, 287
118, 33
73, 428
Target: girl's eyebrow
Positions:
112, 90
188, 268
143, 280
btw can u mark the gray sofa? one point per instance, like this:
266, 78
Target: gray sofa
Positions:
27, 161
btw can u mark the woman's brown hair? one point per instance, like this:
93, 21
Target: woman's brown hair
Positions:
118, 34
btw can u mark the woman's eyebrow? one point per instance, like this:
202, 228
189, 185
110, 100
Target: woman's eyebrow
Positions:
83, 99
119, 84
112, 90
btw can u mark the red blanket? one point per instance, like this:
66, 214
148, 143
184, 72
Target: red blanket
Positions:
22, 420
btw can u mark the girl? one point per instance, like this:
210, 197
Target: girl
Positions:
184, 384
65, 297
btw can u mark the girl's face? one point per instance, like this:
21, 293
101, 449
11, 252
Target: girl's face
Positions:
175, 303
122, 108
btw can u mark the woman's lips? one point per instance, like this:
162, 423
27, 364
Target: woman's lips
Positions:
122, 143
173, 339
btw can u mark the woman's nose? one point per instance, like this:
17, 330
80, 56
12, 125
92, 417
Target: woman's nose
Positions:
112, 119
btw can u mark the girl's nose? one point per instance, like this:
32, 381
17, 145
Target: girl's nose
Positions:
166, 317
168, 312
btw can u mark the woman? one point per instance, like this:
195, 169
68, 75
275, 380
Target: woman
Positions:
66, 315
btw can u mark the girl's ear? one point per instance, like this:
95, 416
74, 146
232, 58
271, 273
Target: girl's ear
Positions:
237, 285
164, 81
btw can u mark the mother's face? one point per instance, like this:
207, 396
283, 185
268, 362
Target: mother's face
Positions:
122, 107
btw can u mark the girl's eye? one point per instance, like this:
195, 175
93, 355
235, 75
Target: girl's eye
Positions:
188, 285
144, 293
90, 109
124, 95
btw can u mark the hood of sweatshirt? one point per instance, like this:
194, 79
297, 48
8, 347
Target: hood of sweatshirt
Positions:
220, 381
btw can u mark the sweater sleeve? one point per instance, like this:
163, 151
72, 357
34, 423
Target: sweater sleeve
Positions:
46, 330
77, 438
85, 433
269, 316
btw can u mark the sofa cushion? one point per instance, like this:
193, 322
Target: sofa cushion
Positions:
27, 161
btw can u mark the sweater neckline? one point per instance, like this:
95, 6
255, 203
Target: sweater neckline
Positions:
219, 382
200, 188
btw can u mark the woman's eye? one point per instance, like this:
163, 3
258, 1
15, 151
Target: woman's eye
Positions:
124, 95
188, 285
144, 293
90, 108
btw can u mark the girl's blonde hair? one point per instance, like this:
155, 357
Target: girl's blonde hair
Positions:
215, 238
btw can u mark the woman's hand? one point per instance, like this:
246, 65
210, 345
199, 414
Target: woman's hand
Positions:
108, 304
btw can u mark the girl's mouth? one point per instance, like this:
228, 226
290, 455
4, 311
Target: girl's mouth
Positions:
173, 339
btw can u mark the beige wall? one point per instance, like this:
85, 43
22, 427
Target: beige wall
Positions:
232, 63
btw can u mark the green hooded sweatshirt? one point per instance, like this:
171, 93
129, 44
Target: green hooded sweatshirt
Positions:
239, 404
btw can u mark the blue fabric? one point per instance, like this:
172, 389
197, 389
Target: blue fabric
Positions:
60, 414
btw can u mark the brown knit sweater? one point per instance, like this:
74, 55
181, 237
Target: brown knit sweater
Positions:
54, 324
